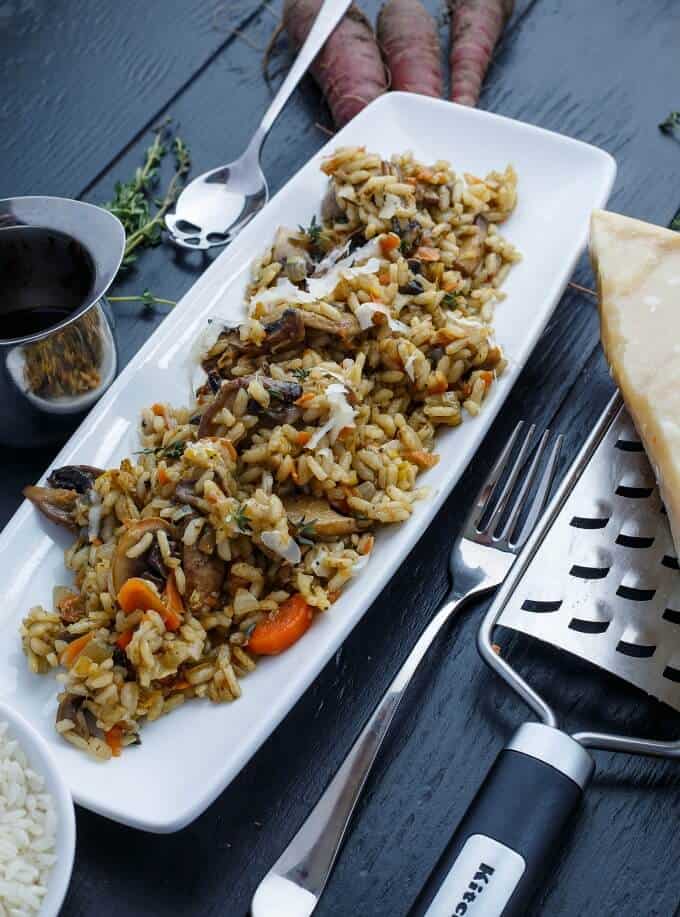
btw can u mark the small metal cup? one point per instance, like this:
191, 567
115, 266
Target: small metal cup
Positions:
58, 351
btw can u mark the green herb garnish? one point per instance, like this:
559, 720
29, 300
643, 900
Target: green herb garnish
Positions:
146, 297
240, 520
301, 373
133, 201
304, 531
313, 231
454, 301
173, 451
671, 123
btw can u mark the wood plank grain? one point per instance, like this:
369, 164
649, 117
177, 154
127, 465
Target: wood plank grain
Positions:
575, 68
87, 77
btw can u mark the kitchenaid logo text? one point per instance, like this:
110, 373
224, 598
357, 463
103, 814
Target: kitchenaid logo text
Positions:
475, 888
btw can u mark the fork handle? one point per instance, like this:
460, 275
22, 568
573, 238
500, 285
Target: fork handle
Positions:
308, 859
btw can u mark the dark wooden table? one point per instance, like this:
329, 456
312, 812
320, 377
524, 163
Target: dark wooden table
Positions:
82, 84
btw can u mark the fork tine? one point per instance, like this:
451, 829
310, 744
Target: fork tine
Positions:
510, 482
542, 493
521, 498
489, 486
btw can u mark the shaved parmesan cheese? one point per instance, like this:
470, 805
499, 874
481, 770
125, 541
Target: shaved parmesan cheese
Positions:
283, 545
341, 415
283, 291
367, 310
392, 203
322, 287
408, 366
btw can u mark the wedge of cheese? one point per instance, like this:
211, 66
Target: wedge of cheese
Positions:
638, 274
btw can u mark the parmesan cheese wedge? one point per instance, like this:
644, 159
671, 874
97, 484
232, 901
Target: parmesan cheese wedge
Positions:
638, 275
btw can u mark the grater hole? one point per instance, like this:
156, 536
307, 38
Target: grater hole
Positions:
585, 522
670, 614
583, 572
540, 607
588, 627
670, 562
635, 650
634, 541
636, 595
634, 493
628, 445
671, 674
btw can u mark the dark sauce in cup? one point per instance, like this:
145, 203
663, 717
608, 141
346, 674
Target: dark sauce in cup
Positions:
45, 276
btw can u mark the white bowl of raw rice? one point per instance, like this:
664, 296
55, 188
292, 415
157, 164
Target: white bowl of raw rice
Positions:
37, 823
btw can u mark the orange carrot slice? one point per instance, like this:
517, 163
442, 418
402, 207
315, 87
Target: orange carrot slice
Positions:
75, 648
283, 628
389, 242
114, 739
139, 594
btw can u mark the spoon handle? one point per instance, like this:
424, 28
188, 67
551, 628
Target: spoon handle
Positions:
327, 19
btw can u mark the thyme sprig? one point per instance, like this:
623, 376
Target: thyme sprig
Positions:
173, 451
134, 203
147, 297
304, 530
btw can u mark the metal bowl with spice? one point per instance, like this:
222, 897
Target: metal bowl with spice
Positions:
58, 257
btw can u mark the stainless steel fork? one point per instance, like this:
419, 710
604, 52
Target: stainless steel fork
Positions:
479, 562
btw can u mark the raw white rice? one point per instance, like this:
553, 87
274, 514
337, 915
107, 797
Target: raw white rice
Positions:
28, 823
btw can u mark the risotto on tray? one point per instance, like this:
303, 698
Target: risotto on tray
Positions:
245, 514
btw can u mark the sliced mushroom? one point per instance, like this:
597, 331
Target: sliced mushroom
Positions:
185, 493
204, 574
122, 566
71, 708
331, 211
56, 503
282, 408
323, 521
295, 260
282, 333
347, 327
74, 477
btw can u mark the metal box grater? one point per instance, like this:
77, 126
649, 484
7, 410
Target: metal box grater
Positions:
604, 581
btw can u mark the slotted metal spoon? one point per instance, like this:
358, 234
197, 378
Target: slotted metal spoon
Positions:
214, 207
599, 578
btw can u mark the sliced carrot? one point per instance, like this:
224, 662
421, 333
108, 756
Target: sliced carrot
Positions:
427, 253
158, 409
75, 648
125, 638
163, 476
139, 594
303, 437
487, 377
114, 739
283, 628
389, 242
305, 398
422, 459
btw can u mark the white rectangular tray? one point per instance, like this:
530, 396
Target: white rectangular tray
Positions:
189, 757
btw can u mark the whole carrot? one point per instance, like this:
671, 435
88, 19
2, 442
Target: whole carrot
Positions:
476, 26
349, 68
408, 37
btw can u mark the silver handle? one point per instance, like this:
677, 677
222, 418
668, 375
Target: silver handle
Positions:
308, 859
327, 19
